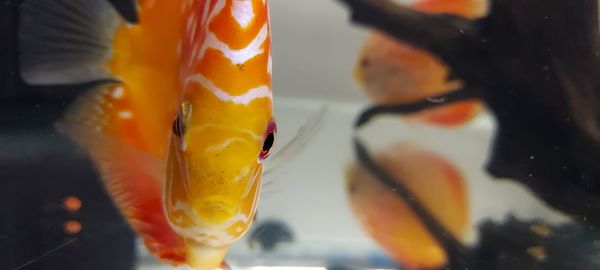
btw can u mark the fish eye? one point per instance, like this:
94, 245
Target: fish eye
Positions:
178, 128
269, 141
180, 119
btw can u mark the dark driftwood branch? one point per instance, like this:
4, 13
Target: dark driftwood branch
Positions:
451, 245
445, 99
440, 34
534, 64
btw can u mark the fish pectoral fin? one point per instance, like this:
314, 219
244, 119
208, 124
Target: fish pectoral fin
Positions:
89, 122
106, 152
66, 41
132, 177
305, 133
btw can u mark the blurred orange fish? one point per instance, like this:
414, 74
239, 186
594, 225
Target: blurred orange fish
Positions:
392, 72
438, 186
180, 119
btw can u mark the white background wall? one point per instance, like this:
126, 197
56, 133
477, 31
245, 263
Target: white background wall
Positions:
314, 49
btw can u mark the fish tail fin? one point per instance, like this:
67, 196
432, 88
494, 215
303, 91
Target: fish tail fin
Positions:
66, 41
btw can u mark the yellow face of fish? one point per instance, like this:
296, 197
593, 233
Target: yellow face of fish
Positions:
215, 168
225, 128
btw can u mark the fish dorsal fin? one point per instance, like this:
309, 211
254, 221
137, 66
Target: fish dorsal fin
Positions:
66, 41
306, 132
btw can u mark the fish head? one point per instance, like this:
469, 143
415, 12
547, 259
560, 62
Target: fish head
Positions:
215, 168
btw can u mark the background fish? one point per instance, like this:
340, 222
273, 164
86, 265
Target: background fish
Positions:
438, 186
200, 70
392, 72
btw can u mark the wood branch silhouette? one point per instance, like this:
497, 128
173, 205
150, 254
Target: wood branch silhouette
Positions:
535, 65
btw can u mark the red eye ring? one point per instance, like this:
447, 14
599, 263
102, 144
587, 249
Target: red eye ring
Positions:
268, 141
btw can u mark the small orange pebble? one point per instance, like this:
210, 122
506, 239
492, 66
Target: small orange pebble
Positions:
72, 203
72, 227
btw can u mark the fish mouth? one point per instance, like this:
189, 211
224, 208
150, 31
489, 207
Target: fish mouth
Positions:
217, 234
202, 257
216, 219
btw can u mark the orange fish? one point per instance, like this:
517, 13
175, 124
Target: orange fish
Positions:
435, 182
392, 72
180, 119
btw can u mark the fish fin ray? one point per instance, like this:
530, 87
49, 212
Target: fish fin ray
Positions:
90, 110
132, 176
66, 41
304, 134
119, 179
85, 122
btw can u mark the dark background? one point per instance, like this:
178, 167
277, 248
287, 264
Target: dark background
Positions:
38, 169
